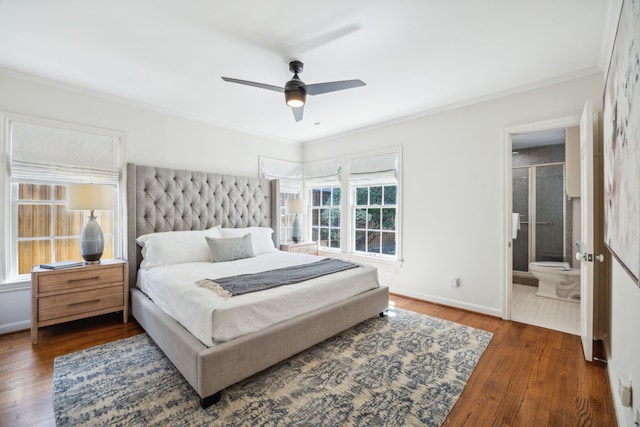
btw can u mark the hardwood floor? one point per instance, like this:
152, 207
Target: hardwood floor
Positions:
528, 376
26, 371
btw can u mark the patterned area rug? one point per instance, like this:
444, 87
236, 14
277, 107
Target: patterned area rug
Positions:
404, 369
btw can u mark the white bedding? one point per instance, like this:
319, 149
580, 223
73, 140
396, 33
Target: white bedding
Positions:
214, 319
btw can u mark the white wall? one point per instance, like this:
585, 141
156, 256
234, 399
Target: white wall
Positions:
152, 138
453, 197
624, 340
454, 169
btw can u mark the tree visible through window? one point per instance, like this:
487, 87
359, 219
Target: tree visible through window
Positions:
325, 216
47, 231
375, 219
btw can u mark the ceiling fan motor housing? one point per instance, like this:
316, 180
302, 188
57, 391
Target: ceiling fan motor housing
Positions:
296, 67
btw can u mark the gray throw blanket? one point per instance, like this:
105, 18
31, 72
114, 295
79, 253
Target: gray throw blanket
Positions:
245, 283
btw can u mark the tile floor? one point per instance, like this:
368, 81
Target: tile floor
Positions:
528, 308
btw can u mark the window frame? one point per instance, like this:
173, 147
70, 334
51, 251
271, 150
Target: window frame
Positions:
355, 206
51, 235
332, 206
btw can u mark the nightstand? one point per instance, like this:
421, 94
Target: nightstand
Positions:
302, 247
63, 295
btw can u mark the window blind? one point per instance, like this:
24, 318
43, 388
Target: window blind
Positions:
46, 153
374, 169
323, 175
289, 174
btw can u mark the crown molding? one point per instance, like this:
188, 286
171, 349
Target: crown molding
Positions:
31, 78
466, 103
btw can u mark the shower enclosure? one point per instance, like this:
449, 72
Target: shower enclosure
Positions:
538, 197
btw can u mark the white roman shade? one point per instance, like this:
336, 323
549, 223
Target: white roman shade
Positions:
374, 169
48, 153
289, 174
323, 175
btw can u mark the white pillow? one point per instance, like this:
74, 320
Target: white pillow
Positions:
260, 237
175, 247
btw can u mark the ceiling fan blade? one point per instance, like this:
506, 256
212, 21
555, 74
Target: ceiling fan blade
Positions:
297, 113
254, 84
320, 88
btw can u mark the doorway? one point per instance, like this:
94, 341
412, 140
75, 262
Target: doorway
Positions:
543, 215
539, 240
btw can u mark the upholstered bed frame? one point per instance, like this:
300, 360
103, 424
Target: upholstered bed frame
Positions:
161, 199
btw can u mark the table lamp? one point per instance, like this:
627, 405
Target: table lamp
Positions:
90, 197
296, 207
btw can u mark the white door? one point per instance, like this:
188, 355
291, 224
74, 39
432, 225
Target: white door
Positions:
586, 253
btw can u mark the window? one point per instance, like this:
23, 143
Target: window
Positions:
375, 202
43, 157
374, 216
323, 182
46, 231
290, 176
325, 216
356, 213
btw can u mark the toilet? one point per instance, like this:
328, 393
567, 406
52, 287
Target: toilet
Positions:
556, 280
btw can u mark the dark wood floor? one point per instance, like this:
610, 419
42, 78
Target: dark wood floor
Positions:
528, 376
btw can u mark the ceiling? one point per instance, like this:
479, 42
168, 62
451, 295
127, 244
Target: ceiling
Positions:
416, 56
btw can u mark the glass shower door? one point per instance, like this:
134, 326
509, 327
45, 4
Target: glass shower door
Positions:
549, 213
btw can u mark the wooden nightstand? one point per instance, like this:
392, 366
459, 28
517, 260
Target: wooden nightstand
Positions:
302, 247
75, 293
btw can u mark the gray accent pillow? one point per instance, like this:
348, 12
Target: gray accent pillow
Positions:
229, 249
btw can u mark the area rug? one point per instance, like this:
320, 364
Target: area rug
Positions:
399, 370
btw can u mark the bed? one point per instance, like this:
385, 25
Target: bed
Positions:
161, 200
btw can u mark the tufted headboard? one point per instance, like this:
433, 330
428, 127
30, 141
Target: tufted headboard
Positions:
163, 199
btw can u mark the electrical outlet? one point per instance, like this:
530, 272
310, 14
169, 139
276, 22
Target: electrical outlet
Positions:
453, 282
624, 389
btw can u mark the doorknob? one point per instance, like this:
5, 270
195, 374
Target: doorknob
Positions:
600, 258
580, 256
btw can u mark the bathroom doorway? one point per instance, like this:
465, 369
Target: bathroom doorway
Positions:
544, 218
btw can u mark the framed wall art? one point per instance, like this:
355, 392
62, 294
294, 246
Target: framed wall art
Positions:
621, 127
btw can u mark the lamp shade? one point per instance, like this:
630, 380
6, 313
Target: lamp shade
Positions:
295, 206
90, 197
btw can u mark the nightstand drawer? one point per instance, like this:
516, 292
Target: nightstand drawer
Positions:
62, 279
305, 249
73, 303
301, 248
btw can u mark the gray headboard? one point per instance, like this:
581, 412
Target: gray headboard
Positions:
163, 199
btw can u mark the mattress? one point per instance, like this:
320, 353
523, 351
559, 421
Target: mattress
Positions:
213, 319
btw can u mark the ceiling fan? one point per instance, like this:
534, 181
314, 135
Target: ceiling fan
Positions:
295, 90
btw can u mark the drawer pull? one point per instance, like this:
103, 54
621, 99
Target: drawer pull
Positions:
83, 280
84, 302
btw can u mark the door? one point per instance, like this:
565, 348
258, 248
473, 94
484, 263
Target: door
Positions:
585, 255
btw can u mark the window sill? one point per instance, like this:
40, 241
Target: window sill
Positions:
362, 258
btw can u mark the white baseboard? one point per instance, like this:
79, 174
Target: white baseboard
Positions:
450, 302
14, 327
613, 384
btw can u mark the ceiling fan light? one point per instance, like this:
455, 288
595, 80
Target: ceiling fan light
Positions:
295, 98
